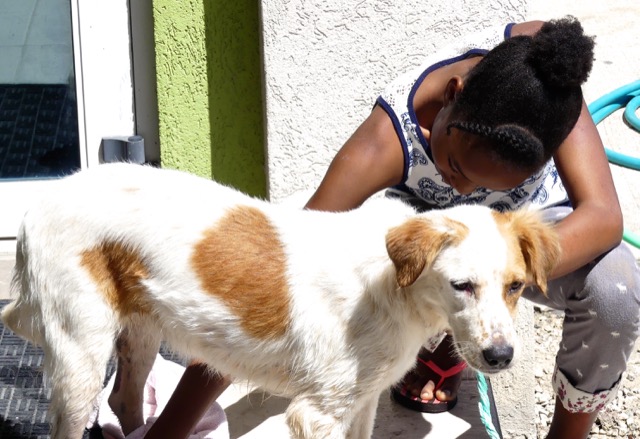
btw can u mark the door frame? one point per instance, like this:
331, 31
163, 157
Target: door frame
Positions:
104, 64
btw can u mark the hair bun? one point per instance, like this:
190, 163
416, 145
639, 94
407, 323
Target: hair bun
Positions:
561, 54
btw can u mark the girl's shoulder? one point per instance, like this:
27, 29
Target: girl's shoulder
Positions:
526, 28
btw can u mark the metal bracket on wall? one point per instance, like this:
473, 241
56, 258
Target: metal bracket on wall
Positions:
123, 149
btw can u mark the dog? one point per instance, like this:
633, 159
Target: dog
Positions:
329, 309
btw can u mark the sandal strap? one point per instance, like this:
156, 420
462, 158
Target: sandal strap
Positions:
444, 374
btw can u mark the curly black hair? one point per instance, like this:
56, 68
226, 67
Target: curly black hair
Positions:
525, 96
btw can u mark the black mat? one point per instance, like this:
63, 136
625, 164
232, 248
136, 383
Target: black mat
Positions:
38, 131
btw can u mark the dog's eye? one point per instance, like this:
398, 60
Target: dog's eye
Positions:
466, 287
515, 287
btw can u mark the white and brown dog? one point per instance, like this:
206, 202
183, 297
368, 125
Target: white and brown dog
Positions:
329, 309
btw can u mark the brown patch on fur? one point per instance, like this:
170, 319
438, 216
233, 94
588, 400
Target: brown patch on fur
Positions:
414, 245
241, 261
536, 240
511, 298
118, 271
517, 269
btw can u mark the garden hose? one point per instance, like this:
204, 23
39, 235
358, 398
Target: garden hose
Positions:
627, 96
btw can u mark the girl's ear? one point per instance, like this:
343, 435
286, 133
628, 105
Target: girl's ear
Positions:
453, 87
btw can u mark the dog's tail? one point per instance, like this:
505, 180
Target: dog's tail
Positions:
20, 316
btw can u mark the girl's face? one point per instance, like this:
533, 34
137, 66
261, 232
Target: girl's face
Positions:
463, 161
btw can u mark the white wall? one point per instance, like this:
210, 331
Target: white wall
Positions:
327, 60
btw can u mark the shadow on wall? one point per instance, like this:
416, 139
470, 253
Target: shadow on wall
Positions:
234, 71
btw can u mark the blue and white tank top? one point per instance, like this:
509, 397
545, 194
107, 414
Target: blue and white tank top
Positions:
421, 183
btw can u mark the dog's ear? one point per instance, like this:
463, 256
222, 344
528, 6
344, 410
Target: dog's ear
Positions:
416, 243
539, 244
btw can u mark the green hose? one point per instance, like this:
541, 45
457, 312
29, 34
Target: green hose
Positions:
484, 406
626, 96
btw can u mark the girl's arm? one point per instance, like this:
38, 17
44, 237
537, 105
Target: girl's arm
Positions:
196, 391
526, 28
371, 160
595, 226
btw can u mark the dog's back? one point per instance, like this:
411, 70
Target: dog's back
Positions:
85, 254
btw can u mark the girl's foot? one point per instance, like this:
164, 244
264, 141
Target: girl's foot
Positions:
432, 387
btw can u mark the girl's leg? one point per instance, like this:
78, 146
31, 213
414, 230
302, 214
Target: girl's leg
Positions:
568, 425
432, 386
601, 302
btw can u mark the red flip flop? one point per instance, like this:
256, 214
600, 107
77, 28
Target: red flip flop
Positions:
406, 399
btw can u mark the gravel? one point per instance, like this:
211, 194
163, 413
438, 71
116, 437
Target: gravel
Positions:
619, 419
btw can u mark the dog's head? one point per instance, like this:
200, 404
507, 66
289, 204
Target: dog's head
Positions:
471, 264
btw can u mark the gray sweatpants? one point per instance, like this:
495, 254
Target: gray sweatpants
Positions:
601, 303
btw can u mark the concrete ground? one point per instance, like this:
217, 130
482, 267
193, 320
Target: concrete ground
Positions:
614, 23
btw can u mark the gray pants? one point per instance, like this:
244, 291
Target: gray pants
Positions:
601, 303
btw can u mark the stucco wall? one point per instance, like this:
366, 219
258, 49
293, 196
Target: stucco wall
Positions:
327, 60
209, 90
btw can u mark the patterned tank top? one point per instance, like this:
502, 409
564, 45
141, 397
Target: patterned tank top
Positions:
422, 185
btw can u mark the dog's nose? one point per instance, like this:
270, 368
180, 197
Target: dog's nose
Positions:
499, 355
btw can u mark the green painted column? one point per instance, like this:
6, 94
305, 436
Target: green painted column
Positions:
209, 76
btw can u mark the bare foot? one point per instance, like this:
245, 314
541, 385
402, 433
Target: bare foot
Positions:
433, 385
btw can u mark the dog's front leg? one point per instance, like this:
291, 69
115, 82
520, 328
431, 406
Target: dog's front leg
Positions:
308, 418
136, 355
362, 424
